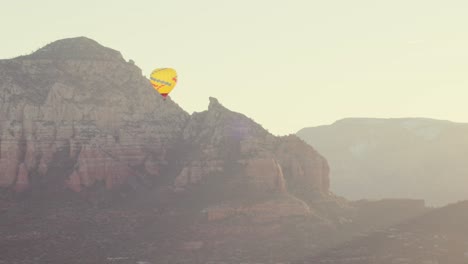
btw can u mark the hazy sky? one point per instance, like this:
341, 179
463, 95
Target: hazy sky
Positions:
286, 64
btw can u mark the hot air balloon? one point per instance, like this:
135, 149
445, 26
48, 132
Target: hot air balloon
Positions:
163, 80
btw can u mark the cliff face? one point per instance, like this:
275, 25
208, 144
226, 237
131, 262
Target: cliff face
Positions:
225, 142
75, 113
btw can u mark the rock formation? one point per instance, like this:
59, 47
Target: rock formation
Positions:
74, 114
225, 142
78, 110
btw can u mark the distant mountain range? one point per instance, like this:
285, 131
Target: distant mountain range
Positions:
395, 158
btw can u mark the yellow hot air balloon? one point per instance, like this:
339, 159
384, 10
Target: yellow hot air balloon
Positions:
163, 80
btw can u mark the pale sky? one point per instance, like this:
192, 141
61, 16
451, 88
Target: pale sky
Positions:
286, 64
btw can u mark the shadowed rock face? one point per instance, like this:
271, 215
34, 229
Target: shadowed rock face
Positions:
438, 236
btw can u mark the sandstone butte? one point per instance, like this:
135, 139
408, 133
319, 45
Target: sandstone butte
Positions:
75, 114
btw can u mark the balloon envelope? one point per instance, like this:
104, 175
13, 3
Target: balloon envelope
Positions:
163, 80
